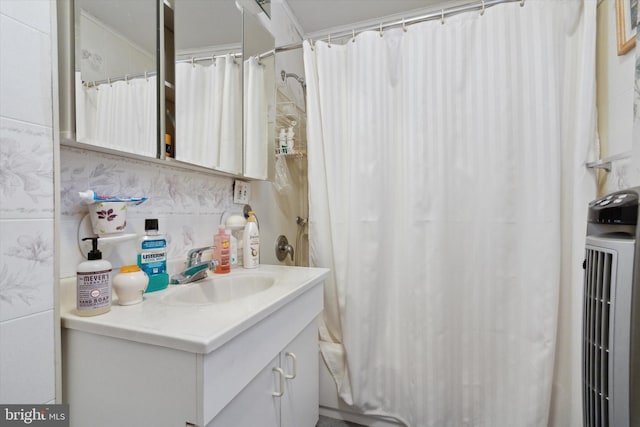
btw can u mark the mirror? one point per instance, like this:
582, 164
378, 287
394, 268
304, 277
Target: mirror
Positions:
208, 92
115, 74
259, 95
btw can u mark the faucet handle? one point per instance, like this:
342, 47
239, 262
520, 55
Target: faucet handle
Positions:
283, 248
194, 255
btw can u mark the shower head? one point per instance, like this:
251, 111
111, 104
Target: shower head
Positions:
299, 79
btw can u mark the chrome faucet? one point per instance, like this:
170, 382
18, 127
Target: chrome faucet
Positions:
194, 256
195, 268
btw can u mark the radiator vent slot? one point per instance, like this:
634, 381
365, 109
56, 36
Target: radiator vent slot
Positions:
596, 331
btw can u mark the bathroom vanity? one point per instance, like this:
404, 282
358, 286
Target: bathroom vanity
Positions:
234, 350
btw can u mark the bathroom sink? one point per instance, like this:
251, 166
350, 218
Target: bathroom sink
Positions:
216, 290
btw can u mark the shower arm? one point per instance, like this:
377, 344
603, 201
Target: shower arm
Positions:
299, 79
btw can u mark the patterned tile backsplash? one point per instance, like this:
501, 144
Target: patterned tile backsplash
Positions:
27, 265
188, 204
26, 170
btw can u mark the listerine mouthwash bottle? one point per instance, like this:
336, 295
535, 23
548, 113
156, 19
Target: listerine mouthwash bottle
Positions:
152, 256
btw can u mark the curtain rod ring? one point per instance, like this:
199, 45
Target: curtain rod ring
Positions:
483, 7
145, 76
442, 17
521, 3
381, 29
329, 41
404, 26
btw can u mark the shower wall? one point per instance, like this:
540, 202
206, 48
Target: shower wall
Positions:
277, 212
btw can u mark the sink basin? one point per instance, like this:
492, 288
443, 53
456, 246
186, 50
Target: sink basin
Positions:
216, 290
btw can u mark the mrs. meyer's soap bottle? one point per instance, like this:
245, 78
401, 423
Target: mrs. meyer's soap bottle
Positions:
93, 281
152, 256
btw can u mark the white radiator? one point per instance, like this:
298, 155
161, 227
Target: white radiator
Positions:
610, 329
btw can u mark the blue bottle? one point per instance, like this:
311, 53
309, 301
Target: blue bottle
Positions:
152, 256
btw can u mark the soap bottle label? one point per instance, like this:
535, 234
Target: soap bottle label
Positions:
94, 290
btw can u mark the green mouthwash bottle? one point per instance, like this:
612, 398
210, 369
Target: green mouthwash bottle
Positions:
152, 256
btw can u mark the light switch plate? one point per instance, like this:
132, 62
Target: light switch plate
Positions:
241, 192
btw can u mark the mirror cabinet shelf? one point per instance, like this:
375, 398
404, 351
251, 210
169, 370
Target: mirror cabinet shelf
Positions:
183, 81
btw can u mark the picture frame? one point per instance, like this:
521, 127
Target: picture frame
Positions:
626, 23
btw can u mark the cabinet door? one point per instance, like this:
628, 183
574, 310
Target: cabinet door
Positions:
299, 361
255, 405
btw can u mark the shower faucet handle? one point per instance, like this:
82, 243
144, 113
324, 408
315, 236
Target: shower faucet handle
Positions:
283, 248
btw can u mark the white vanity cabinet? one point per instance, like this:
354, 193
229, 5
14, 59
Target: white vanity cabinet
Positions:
284, 393
259, 370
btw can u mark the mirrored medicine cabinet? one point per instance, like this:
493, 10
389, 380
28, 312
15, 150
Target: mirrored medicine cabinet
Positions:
189, 82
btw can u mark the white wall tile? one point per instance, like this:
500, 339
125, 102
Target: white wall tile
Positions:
26, 359
35, 13
26, 267
25, 73
26, 170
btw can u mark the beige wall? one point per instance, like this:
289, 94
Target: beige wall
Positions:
615, 97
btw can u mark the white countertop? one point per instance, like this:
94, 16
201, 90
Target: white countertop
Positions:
193, 328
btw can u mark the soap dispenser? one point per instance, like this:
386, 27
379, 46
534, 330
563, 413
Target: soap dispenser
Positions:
251, 243
222, 251
93, 283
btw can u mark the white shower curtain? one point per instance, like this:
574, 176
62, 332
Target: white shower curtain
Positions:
208, 114
448, 194
255, 123
120, 115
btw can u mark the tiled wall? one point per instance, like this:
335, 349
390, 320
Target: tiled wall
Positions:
188, 204
26, 203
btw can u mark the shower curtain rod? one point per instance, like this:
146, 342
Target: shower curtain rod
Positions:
441, 14
207, 58
126, 77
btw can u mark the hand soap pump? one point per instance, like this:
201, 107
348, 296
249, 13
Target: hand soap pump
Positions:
222, 252
93, 283
251, 243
